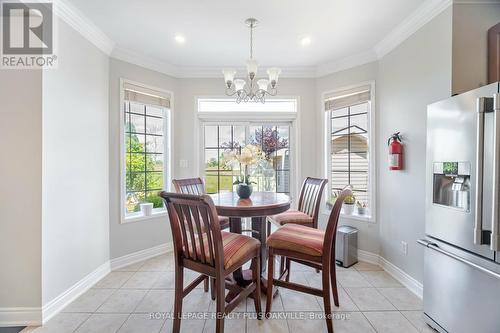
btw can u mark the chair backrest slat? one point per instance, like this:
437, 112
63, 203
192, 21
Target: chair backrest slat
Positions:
191, 230
184, 234
199, 234
333, 221
189, 186
195, 227
205, 217
310, 197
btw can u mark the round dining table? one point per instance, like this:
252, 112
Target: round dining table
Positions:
257, 207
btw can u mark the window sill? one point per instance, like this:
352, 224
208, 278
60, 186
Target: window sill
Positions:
139, 217
353, 216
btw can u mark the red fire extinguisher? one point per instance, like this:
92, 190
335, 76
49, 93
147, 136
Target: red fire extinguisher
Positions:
395, 152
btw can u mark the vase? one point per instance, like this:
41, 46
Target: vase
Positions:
361, 210
146, 208
244, 191
348, 208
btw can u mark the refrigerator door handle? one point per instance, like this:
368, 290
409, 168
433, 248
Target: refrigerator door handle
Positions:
494, 243
478, 218
435, 247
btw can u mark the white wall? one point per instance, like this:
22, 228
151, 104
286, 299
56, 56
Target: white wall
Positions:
416, 73
131, 237
20, 188
470, 44
75, 232
368, 231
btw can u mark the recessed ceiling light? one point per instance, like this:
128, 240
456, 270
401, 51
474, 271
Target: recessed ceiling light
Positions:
305, 40
180, 39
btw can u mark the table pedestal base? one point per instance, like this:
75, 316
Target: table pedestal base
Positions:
242, 278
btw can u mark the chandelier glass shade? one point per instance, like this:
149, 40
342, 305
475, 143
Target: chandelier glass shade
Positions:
251, 88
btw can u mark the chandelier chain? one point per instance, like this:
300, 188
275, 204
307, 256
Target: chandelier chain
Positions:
251, 41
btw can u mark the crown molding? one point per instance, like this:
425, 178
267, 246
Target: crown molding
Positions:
216, 72
346, 63
421, 16
142, 60
195, 71
78, 21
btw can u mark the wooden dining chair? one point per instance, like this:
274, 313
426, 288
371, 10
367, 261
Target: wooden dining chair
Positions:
196, 186
308, 208
310, 247
200, 245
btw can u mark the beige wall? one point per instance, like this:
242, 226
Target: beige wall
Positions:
75, 226
470, 44
409, 78
21, 188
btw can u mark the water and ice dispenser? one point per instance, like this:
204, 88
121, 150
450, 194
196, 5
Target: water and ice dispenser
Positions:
452, 185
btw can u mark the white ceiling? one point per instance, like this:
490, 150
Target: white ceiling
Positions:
216, 36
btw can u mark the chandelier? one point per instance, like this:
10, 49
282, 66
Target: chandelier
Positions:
251, 89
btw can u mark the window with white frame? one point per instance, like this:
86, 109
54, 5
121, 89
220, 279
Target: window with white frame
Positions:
273, 139
231, 127
146, 115
348, 143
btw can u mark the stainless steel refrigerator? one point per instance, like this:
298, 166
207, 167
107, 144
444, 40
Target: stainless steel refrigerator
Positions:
462, 258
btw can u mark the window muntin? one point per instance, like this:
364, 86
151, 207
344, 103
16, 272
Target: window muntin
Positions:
349, 150
145, 157
274, 139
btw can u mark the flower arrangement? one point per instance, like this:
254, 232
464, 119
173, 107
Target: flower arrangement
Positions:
249, 155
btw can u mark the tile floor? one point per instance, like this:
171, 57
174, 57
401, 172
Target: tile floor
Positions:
132, 299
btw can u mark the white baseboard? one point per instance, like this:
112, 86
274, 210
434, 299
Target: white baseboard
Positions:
401, 276
20, 317
37, 316
132, 258
406, 280
53, 307
369, 257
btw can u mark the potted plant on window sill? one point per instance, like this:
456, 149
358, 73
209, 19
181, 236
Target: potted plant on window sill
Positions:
361, 207
348, 204
248, 156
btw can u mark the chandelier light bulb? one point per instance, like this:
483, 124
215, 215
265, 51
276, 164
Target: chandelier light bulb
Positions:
229, 76
263, 83
252, 67
274, 74
239, 84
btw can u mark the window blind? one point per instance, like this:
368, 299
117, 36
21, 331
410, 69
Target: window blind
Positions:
345, 98
135, 93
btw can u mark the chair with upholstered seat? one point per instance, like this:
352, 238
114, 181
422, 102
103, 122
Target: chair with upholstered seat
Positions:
196, 186
200, 245
308, 208
311, 247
